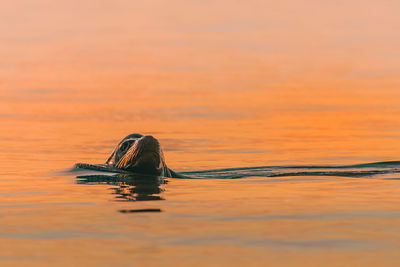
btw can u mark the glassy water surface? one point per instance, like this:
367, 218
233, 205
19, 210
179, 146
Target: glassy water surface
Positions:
276, 110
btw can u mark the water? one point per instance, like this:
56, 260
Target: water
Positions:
295, 100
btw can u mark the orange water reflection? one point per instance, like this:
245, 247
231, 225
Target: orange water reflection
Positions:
220, 85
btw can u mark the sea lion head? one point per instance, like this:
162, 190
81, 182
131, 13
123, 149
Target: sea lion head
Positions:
140, 154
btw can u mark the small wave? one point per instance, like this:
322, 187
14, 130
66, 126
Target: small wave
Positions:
374, 169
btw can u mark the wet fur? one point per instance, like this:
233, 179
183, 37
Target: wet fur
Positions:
140, 154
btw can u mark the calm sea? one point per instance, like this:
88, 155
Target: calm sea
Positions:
226, 85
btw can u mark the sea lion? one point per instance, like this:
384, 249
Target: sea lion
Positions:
140, 154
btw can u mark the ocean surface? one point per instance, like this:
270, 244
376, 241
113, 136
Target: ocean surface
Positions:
285, 117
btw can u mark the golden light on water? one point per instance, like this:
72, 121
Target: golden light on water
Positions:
221, 85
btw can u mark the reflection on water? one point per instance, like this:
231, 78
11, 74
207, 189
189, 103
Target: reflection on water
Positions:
140, 210
221, 84
129, 187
